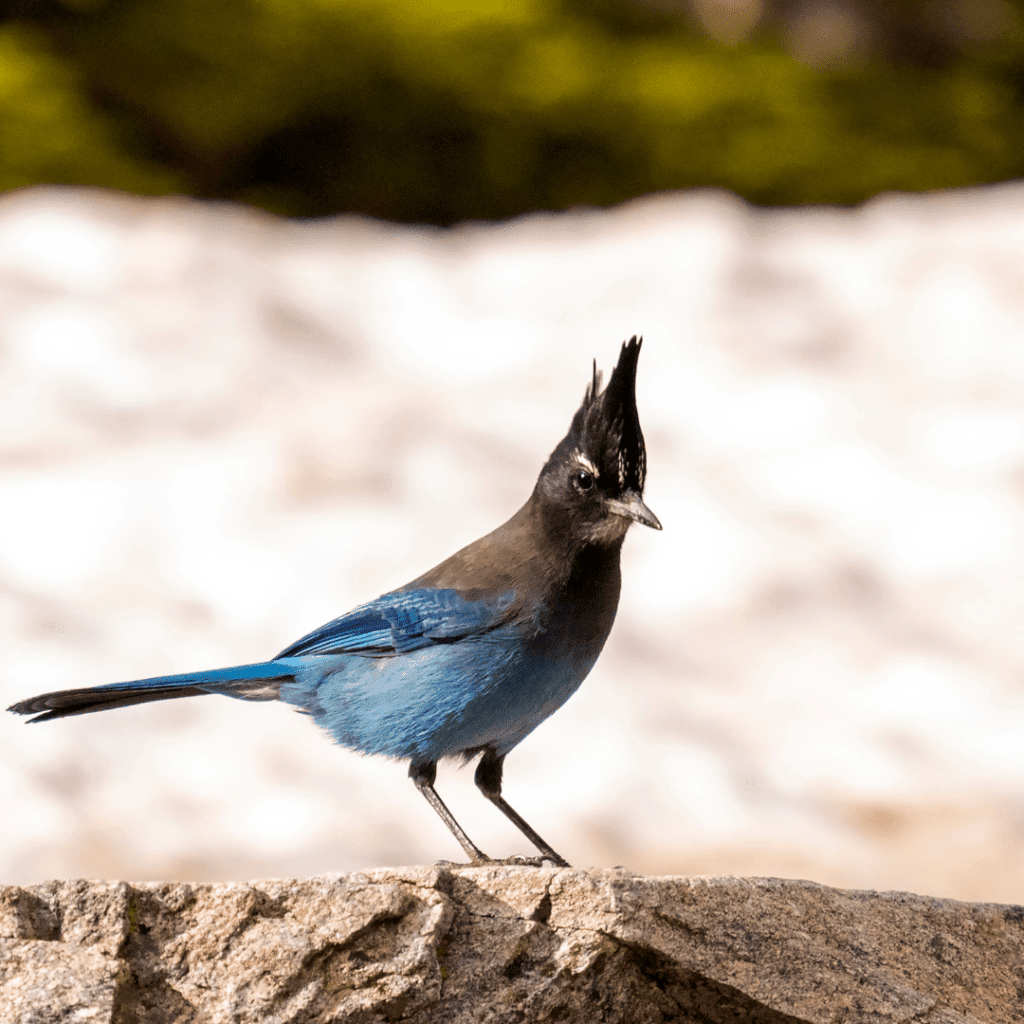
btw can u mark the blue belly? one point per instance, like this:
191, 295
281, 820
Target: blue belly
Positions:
437, 701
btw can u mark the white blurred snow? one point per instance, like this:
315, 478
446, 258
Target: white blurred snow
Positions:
219, 429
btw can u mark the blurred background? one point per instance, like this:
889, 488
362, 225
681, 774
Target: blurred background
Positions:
296, 296
436, 112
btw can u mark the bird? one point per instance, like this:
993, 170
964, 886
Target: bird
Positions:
468, 659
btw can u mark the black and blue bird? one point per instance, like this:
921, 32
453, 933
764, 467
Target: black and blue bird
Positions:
470, 657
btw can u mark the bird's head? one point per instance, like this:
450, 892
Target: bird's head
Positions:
594, 479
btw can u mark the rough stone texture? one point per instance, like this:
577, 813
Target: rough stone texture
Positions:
503, 944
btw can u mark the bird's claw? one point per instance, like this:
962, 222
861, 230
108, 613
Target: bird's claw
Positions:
519, 860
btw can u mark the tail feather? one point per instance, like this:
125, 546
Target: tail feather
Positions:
247, 682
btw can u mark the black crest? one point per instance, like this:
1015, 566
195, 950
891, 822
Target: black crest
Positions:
606, 427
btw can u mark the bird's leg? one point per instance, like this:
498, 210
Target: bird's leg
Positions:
488, 780
423, 774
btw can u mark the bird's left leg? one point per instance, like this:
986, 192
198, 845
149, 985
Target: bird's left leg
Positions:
488, 780
423, 774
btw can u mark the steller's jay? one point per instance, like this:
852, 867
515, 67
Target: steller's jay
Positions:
472, 656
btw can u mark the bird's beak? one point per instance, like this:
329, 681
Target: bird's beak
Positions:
631, 506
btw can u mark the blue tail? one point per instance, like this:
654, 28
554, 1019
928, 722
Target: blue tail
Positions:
248, 682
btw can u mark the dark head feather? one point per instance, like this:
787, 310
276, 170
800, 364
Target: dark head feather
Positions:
606, 427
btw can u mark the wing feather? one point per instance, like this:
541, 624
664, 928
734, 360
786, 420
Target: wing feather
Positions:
404, 621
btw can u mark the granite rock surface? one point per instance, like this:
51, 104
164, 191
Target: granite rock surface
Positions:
503, 943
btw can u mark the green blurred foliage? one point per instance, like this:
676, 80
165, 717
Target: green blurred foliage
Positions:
50, 132
439, 111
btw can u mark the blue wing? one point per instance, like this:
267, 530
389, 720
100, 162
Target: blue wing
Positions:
405, 621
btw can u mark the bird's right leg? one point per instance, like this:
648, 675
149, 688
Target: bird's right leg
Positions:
423, 774
488, 780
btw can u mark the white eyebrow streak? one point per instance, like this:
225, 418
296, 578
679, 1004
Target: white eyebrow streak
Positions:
583, 461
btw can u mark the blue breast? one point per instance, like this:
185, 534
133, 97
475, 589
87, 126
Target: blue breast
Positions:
429, 673
436, 701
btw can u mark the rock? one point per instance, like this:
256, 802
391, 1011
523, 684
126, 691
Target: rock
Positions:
503, 943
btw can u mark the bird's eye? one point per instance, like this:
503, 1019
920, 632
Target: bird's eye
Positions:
583, 480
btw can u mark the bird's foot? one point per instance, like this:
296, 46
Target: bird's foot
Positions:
518, 860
